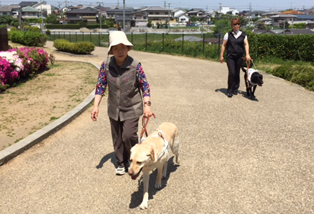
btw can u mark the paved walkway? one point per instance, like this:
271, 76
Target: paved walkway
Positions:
237, 155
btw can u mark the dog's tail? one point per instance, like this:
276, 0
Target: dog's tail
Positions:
175, 146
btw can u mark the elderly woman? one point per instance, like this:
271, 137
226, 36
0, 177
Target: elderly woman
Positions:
236, 43
128, 99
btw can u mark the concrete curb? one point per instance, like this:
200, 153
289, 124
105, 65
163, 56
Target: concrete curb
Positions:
18, 148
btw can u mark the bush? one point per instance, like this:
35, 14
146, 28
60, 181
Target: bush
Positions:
300, 74
77, 48
48, 32
286, 47
63, 26
28, 38
18, 64
31, 28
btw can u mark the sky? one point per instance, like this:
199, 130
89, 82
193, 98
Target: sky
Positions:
264, 5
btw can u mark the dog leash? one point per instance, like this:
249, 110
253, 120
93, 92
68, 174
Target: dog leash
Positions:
248, 64
144, 125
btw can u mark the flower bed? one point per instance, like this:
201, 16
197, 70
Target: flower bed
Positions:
16, 64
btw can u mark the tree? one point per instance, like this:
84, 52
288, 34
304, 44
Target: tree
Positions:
222, 26
149, 23
261, 26
284, 25
52, 19
5, 19
110, 22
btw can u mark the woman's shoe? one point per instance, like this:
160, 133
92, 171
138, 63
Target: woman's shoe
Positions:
120, 170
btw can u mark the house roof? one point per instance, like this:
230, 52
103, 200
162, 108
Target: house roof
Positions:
84, 10
270, 13
8, 8
264, 20
305, 17
155, 8
27, 3
284, 16
29, 9
298, 31
294, 12
129, 10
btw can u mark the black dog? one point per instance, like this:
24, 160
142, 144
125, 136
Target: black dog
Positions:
252, 79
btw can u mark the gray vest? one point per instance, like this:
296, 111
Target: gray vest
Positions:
124, 100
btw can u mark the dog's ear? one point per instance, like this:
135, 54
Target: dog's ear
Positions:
152, 155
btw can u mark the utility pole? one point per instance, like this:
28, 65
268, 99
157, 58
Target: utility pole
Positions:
123, 15
165, 4
41, 16
169, 17
99, 16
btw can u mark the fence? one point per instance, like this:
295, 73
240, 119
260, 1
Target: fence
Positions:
202, 45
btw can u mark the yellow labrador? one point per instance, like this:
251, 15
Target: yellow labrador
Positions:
153, 153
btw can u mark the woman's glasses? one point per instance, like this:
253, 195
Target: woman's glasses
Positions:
236, 24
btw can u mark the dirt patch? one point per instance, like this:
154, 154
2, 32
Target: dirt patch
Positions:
34, 104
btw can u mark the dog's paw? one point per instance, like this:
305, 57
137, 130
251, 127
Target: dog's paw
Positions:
177, 162
158, 185
144, 205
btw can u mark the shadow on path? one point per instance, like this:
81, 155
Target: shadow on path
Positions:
106, 158
137, 197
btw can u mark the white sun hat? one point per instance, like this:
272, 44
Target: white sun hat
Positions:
118, 37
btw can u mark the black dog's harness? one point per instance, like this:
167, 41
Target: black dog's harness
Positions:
249, 72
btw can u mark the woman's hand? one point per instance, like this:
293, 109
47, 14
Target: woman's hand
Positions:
94, 114
147, 111
248, 58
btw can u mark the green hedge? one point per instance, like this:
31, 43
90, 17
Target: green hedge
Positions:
74, 26
63, 26
28, 38
76, 48
286, 47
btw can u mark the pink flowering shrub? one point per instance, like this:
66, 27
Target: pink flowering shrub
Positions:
16, 64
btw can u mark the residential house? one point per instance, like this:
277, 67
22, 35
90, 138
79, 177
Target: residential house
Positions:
281, 19
117, 15
265, 21
87, 14
228, 10
140, 19
269, 14
308, 20
256, 14
183, 19
30, 13
11, 10
196, 12
44, 8
158, 14
178, 12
